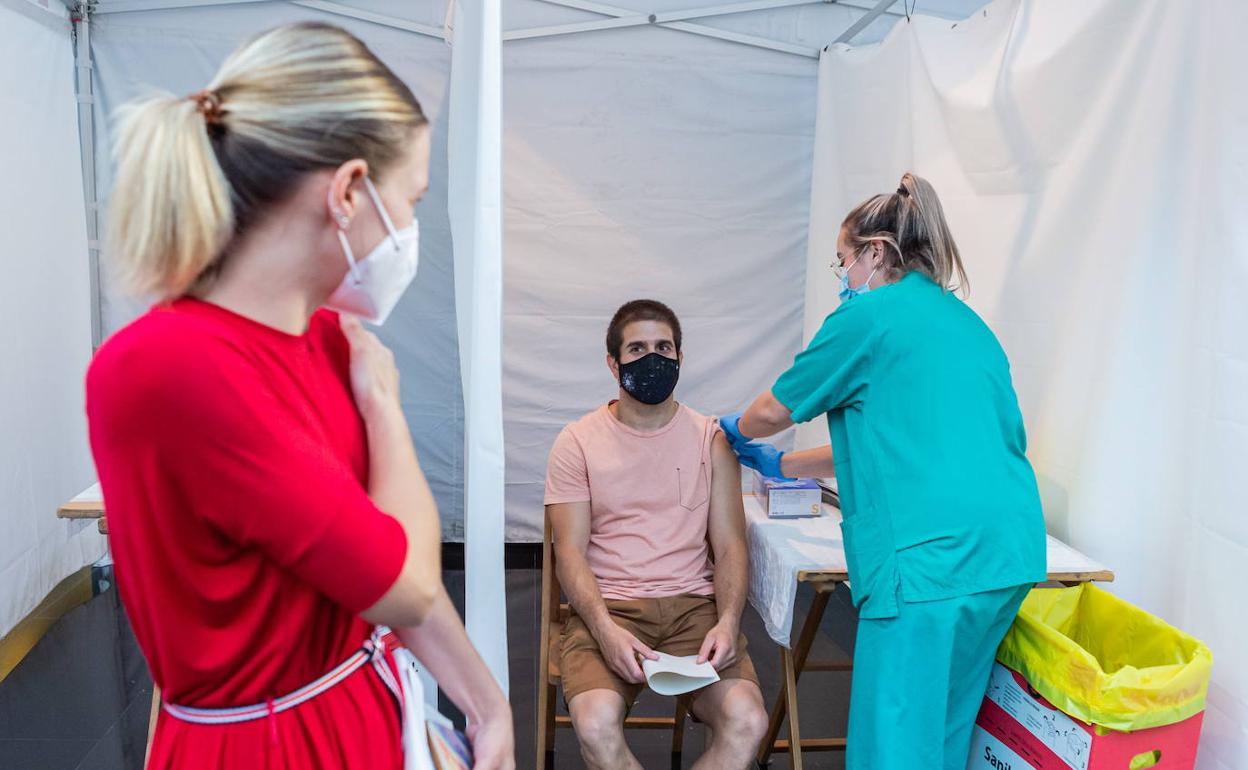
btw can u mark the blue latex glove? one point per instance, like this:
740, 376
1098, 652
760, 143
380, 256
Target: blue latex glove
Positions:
762, 457
728, 423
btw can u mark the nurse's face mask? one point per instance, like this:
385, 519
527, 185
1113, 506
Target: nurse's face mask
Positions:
848, 292
374, 284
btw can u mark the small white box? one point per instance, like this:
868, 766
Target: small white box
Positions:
800, 498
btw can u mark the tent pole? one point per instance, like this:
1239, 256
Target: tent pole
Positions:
128, 6
639, 19
81, 17
327, 6
880, 8
682, 26
340, 9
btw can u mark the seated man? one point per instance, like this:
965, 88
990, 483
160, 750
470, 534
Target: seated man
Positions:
641, 493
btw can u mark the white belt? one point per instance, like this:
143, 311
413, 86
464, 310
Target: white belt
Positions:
372, 651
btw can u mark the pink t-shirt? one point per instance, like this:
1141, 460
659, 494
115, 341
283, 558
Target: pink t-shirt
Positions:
649, 496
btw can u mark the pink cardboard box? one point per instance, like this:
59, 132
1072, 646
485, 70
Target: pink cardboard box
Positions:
1018, 729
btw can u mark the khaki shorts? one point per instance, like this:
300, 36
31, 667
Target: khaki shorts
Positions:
676, 625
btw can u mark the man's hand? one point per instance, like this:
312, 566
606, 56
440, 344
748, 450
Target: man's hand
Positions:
720, 646
620, 649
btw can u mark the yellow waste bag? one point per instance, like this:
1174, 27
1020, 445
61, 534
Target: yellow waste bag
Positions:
1105, 661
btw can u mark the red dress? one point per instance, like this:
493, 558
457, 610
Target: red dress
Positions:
234, 467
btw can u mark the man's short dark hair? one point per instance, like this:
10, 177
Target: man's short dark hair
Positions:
639, 310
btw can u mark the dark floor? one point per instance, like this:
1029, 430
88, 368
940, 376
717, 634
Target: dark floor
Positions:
81, 699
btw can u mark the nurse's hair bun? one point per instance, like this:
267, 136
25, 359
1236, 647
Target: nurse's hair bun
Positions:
910, 227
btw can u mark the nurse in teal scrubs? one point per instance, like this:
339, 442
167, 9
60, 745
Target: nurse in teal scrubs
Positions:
943, 528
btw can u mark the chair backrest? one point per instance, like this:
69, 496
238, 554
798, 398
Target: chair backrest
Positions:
553, 606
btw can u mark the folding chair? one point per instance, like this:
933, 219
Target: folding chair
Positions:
555, 613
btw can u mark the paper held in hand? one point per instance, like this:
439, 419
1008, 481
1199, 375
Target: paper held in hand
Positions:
670, 675
430, 741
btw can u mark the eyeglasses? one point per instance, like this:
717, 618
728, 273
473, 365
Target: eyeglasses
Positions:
839, 270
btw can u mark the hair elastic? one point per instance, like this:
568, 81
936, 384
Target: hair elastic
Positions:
208, 104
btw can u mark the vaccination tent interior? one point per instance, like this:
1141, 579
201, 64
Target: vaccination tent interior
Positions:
1091, 156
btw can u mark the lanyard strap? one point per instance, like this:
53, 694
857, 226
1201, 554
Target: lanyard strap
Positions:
372, 651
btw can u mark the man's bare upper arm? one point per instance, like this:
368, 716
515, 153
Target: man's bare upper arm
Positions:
727, 515
569, 524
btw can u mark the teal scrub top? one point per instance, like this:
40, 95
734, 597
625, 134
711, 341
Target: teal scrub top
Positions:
937, 496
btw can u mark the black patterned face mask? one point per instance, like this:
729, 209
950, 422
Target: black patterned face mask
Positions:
651, 378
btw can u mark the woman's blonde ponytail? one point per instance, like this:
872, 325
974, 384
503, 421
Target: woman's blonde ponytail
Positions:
924, 217
910, 226
192, 173
170, 214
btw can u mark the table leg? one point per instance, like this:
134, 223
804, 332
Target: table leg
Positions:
790, 696
797, 660
151, 725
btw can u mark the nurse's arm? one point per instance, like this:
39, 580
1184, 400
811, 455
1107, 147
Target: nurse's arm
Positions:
810, 463
765, 417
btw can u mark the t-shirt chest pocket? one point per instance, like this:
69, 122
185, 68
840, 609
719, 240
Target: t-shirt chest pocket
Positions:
694, 474
694, 479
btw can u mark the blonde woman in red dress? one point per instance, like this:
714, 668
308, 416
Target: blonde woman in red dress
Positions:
266, 509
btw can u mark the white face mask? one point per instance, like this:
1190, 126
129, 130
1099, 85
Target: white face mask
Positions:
373, 285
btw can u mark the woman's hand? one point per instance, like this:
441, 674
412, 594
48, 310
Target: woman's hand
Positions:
762, 457
729, 425
493, 744
374, 376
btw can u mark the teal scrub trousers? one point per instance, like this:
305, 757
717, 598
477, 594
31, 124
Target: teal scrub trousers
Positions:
919, 679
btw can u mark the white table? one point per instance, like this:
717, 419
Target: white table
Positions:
88, 504
786, 552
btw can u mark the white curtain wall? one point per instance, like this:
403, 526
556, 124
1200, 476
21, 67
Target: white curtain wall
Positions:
651, 162
1092, 157
45, 312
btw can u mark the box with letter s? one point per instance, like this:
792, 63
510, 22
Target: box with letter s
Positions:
794, 499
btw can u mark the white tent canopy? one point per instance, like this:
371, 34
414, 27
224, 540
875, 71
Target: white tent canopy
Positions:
1089, 154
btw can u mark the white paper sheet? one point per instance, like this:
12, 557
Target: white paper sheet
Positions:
677, 675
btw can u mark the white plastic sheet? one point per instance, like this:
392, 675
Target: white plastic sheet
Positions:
780, 549
476, 225
1091, 156
45, 309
